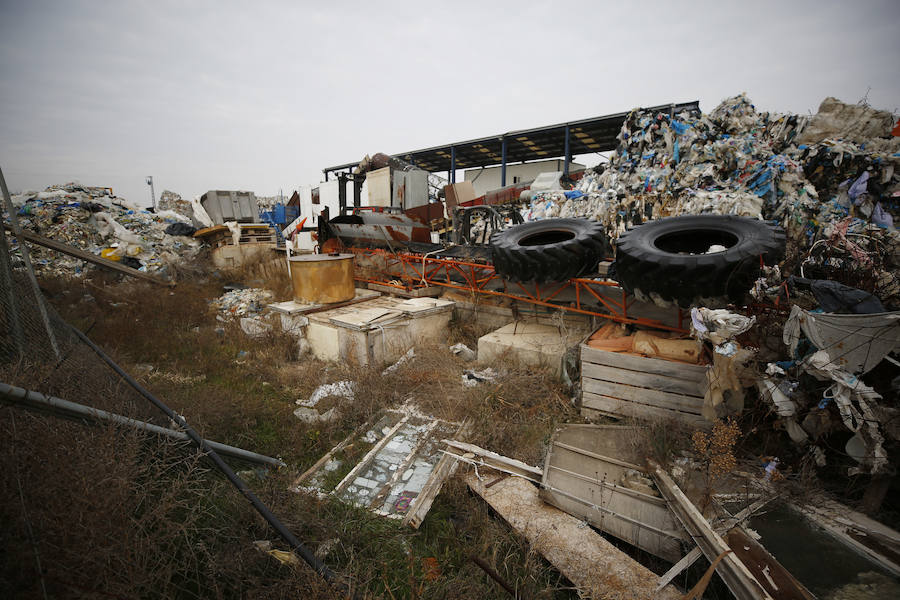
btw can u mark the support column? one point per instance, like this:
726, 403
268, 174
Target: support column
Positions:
566, 152
503, 162
342, 193
452, 164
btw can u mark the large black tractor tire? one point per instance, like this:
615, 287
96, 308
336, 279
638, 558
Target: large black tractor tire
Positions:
670, 258
549, 250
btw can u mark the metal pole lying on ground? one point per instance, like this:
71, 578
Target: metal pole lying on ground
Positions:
262, 509
36, 400
87, 256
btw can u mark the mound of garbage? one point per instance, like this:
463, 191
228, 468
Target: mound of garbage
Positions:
96, 221
831, 180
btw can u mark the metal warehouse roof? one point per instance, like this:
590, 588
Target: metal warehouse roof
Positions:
585, 136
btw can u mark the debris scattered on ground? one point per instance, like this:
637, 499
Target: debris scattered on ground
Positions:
411, 353
238, 303
473, 377
255, 327
831, 180
95, 221
311, 415
341, 389
463, 351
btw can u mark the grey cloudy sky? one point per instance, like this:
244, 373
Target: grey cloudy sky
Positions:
263, 95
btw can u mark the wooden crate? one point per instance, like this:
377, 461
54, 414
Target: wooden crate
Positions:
628, 385
583, 475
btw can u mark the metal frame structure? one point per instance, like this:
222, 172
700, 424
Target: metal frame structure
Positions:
418, 271
582, 136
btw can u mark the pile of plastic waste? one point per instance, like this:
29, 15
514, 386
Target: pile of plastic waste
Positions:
246, 302
169, 200
831, 180
802, 171
96, 221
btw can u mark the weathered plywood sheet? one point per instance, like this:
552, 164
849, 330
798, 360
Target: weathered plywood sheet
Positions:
582, 480
594, 565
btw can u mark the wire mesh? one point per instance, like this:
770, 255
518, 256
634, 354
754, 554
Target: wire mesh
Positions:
104, 511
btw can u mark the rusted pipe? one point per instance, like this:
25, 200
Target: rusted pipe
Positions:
494, 575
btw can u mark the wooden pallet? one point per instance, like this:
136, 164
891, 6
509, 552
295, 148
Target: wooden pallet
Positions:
220, 235
619, 384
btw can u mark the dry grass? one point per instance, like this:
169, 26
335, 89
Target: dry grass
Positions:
110, 512
241, 391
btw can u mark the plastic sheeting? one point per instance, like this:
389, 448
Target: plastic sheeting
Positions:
854, 343
857, 404
846, 347
737, 160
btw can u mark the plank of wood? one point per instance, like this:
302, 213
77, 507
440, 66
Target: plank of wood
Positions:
733, 572
502, 463
630, 393
663, 383
592, 563
644, 364
445, 468
626, 409
771, 574
87, 256
845, 525
595, 413
686, 561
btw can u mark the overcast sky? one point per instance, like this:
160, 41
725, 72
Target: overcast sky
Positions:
262, 95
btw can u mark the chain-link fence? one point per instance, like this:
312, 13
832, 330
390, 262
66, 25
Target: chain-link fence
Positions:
93, 507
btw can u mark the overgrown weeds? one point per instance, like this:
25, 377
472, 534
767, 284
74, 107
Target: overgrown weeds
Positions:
189, 526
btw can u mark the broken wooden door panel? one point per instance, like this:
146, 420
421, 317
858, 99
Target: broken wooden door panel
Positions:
734, 573
591, 472
770, 574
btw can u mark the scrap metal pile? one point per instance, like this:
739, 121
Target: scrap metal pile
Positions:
94, 220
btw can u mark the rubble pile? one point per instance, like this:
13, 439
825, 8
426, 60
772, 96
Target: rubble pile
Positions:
805, 172
96, 221
170, 201
830, 178
246, 302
